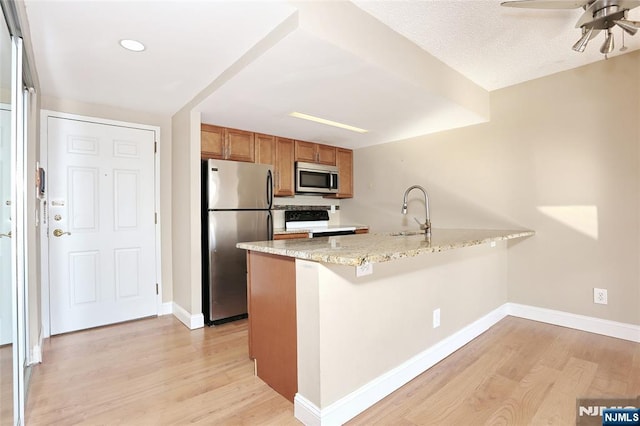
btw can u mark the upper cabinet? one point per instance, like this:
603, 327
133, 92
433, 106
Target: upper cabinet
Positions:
240, 145
344, 161
227, 144
315, 153
278, 152
265, 149
211, 141
282, 153
284, 168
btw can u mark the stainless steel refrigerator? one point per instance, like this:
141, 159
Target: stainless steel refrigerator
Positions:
236, 207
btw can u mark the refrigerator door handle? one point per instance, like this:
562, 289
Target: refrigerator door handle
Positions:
269, 189
269, 226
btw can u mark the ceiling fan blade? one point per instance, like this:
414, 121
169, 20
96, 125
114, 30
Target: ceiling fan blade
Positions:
547, 4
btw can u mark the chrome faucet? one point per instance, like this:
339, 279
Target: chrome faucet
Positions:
426, 227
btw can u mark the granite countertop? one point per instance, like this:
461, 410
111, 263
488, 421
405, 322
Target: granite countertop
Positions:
354, 250
282, 231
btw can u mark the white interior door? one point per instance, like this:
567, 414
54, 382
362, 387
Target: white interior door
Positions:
6, 310
101, 224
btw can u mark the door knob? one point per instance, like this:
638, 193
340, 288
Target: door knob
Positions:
8, 235
60, 232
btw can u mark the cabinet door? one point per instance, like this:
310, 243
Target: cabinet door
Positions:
211, 141
326, 154
265, 149
285, 154
344, 161
305, 151
240, 145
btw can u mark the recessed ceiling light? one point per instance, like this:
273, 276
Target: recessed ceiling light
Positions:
327, 122
133, 45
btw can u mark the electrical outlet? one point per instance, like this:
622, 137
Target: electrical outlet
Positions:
364, 269
600, 296
436, 318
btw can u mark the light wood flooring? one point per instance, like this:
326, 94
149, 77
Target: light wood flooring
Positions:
156, 372
519, 372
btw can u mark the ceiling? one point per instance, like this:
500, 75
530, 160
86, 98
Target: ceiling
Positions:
396, 68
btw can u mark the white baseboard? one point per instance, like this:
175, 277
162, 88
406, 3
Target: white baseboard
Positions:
166, 309
359, 400
306, 411
191, 321
609, 328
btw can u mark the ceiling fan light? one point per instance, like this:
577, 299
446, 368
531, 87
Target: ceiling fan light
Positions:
582, 43
607, 46
627, 26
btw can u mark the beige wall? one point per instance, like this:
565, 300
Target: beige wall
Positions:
138, 117
560, 156
389, 314
186, 211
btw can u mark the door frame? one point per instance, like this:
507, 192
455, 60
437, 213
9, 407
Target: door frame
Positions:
44, 228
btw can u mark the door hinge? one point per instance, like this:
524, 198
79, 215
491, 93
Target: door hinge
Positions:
155, 147
157, 289
155, 218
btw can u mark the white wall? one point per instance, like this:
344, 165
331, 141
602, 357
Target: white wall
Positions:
559, 156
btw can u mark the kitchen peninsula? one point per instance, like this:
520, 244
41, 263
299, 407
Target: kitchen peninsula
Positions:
337, 323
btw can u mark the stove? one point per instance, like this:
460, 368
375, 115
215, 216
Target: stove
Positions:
316, 222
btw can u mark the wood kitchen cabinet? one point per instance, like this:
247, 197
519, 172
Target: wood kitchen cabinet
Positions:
315, 153
240, 145
265, 149
284, 185
279, 152
282, 153
211, 141
344, 161
273, 343
227, 144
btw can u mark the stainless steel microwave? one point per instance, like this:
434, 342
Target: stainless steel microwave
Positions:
316, 178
